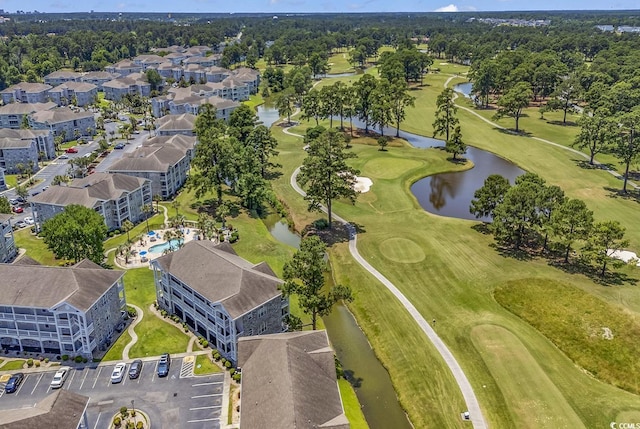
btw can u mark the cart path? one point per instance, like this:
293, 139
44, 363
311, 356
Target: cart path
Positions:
473, 406
132, 332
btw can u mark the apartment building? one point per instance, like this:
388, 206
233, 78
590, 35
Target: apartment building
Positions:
19, 148
63, 121
8, 250
26, 92
219, 295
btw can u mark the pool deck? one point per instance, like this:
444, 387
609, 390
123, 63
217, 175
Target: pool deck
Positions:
144, 243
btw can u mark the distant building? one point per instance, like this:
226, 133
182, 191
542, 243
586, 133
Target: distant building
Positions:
8, 249
59, 77
134, 84
190, 99
124, 68
20, 144
21, 147
82, 92
60, 409
605, 27
99, 78
26, 92
165, 161
171, 125
3, 183
65, 122
12, 115
219, 295
59, 310
116, 197
289, 381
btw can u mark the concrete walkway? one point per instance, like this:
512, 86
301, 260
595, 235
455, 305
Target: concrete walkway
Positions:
132, 332
549, 142
473, 406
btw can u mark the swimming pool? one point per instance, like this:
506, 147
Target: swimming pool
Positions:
159, 248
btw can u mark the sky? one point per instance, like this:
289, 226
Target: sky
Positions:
301, 6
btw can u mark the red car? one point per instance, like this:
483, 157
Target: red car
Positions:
72, 150
17, 209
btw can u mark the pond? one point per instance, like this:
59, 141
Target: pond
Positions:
267, 114
464, 88
370, 379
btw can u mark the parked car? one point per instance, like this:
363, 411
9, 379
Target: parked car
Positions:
13, 201
163, 365
118, 372
135, 369
71, 150
17, 209
63, 156
35, 193
60, 377
21, 200
119, 146
14, 382
20, 224
28, 220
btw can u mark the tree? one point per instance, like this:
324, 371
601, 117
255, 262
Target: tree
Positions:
517, 217
157, 198
318, 64
214, 160
489, 196
597, 131
264, 146
400, 100
312, 106
127, 226
76, 233
627, 147
455, 145
383, 142
515, 99
566, 93
445, 114
604, 239
284, 104
154, 79
242, 121
381, 108
550, 199
570, 222
325, 172
364, 89
304, 276
21, 191
147, 209
5, 206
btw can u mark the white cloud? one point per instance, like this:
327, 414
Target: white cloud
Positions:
450, 8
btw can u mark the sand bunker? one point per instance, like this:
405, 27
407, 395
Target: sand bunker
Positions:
363, 184
626, 256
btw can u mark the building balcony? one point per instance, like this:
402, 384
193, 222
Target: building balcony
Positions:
24, 333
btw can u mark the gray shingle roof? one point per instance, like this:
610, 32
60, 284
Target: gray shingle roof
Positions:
42, 286
75, 86
185, 121
89, 190
61, 114
31, 87
149, 159
220, 275
179, 140
60, 410
25, 108
63, 74
289, 381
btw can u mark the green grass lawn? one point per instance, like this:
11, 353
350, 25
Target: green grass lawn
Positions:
205, 366
11, 180
155, 336
254, 100
351, 405
339, 63
449, 272
13, 365
595, 334
35, 247
116, 349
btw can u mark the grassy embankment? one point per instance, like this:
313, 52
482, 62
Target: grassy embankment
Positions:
449, 271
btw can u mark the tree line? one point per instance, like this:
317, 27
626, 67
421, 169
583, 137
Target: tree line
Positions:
531, 215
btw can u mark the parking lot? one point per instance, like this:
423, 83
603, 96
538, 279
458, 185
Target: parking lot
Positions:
178, 400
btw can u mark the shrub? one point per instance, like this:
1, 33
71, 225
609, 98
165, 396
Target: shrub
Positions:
84, 360
131, 311
164, 313
321, 223
232, 371
117, 421
205, 344
139, 425
78, 359
65, 357
132, 413
124, 411
227, 364
221, 238
131, 425
37, 364
224, 360
236, 377
234, 237
46, 360
29, 363
116, 231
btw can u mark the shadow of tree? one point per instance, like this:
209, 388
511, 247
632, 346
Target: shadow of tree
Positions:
611, 278
510, 252
631, 195
563, 124
512, 132
338, 233
584, 163
352, 379
483, 228
457, 161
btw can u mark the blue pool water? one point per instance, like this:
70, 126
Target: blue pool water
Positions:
159, 248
